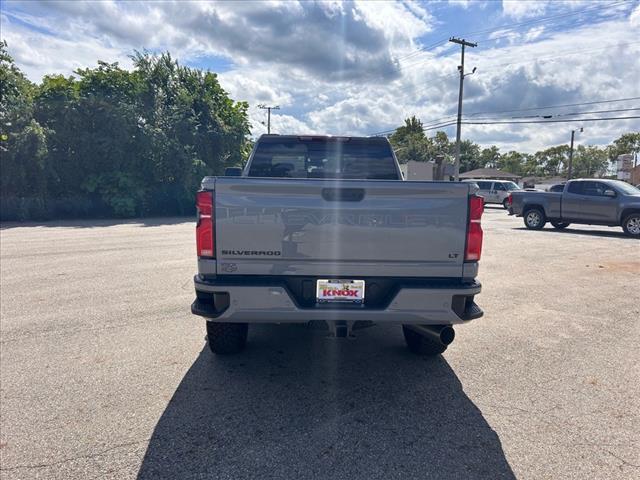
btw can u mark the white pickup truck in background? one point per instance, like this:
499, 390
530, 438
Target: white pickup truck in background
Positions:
324, 229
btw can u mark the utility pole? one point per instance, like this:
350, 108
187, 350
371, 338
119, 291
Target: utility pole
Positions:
464, 43
570, 169
268, 109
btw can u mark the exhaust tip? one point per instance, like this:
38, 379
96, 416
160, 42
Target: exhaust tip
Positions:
447, 335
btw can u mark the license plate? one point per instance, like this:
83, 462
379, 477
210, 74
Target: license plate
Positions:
333, 291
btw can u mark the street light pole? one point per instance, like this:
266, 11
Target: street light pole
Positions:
570, 168
464, 44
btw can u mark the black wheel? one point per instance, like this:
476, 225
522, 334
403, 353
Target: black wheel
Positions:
505, 203
631, 224
225, 338
560, 225
534, 219
421, 345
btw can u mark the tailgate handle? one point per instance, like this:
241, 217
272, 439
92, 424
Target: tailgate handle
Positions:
343, 194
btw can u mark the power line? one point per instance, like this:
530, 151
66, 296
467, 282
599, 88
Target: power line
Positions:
563, 54
440, 126
499, 122
452, 117
555, 115
421, 60
569, 114
557, 106
545, 19
424, 49
535, 59
508, 64
508, 27
547, 58
512, 122
511, 33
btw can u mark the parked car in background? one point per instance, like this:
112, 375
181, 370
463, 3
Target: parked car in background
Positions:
585, 201
495, 191
324, 229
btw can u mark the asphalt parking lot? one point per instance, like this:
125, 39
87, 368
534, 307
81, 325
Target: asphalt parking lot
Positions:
104, 372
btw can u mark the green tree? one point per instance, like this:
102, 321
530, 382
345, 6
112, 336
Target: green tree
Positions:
627, 143
590, 161
55, 107
191, 126
23, 146
489, 157
410, 143
513, 162
469, 156
109, 141
553, 161
412, 128
442, 145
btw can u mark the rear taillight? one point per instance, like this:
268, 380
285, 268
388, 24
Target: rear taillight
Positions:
510, 200
205, 242
474, 229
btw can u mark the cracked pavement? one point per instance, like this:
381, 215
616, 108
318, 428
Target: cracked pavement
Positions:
103, 371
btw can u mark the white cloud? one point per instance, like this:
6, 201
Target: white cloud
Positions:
519, 9
339, 68
323, 38
39, 54
242, 85
534, 33
281, 124
460, 3
634, 18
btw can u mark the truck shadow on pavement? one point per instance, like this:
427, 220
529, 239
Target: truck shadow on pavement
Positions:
590, 233
90, 223
297, 404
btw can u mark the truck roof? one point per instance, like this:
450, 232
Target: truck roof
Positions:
486, 180
338, 138
609, 181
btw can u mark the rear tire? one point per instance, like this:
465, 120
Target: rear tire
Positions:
535, 219
505, 203
226, 338
631, 224
421, 345
560, 225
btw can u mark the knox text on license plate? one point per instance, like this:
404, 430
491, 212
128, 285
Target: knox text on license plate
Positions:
351, 291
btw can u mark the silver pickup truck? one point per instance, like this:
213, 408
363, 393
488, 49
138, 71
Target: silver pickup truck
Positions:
586, 201
324, 229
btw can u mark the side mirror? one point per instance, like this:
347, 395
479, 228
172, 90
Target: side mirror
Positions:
609, 193
233, 172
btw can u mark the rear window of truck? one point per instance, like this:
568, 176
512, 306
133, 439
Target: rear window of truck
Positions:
313, 157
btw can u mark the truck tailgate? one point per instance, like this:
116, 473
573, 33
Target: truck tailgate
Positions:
345, 228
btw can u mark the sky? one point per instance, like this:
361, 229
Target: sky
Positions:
362, 67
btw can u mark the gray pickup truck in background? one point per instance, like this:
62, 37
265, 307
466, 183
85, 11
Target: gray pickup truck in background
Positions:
324, 229
585, 201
